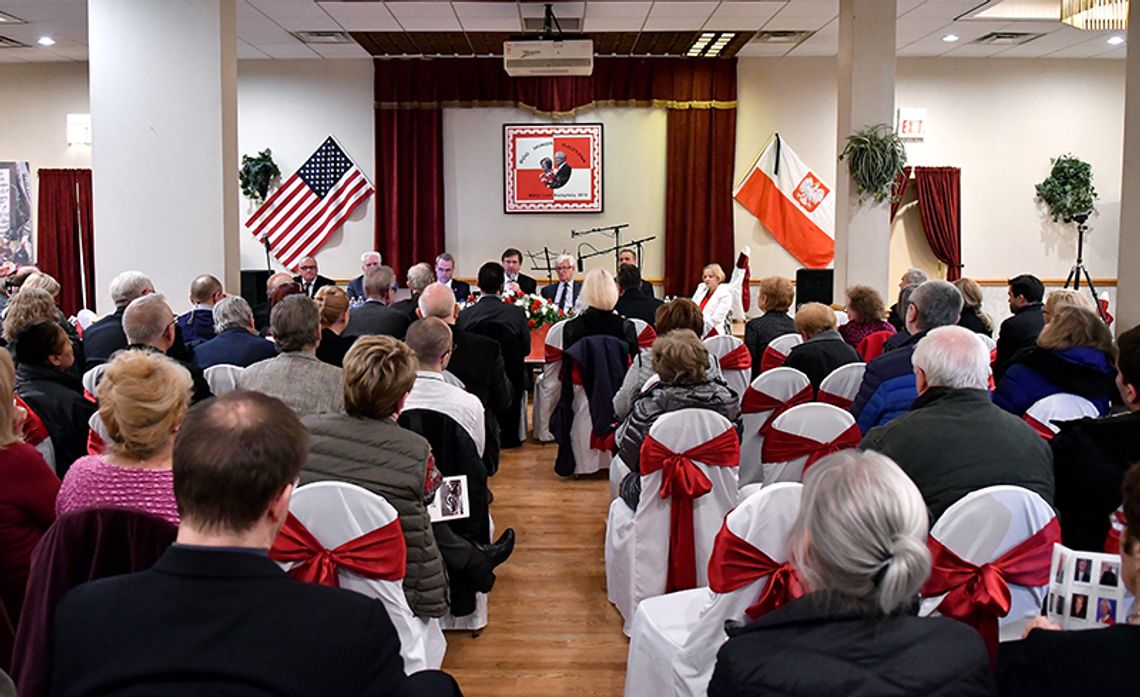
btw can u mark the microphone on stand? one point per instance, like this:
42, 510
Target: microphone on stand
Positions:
580, 267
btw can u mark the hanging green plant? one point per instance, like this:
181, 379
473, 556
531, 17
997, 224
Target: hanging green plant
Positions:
875, 156
1068, 190
257, 174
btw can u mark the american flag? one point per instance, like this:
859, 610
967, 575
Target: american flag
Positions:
299, 217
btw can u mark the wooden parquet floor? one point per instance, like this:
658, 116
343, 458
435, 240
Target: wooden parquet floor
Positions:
551, 631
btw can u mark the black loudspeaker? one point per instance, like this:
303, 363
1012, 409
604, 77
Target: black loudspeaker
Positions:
814, 286
253, 286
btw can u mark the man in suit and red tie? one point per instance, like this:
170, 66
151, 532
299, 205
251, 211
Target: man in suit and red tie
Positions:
564, 293
309, 279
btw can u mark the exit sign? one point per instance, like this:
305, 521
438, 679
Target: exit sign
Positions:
911, 123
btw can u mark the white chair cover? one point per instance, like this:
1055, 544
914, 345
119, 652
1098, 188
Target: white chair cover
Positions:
92, 377
47, 450
986, 524
1058, 407
686, 629
85, 318
548, 386
778, 350
822, 422
618, 472
721, 346
991, 346
637, 543
223, 378
841, 318
780, 384
842, 384
645, 334
336, 512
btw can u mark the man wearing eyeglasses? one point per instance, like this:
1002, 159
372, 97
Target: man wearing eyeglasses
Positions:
309, 280
564, 293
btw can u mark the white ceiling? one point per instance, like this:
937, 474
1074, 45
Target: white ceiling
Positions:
264, 26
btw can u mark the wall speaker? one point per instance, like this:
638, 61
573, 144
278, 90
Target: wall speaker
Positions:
253, 286
814, 286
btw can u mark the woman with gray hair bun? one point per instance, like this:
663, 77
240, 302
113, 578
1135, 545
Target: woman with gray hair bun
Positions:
859, 546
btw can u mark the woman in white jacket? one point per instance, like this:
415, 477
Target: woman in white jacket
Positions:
714, 297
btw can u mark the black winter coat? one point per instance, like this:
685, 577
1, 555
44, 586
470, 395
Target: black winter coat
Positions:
820, 355
759, 332
1016, 333
57, 398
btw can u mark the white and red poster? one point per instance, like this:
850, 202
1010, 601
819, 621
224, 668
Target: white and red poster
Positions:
552, 168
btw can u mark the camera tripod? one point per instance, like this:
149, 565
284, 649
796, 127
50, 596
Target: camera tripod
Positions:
1079, 268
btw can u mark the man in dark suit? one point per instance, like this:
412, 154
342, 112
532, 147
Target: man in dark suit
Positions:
444, 271
368, 261
309, 280
149, 326
513, 278
197, 325
562, 171
106, 336
375, 316
564, 293
628, 256
1021, 330
420, 276
237, 342
507, 325
231, 620
634, 303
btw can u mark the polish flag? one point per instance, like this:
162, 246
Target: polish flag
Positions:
792, 202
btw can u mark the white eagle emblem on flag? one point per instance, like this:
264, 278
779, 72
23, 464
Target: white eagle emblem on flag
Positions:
810, 192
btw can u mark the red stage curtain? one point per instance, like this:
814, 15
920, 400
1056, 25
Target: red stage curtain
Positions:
65, 239
939, 204
700, 96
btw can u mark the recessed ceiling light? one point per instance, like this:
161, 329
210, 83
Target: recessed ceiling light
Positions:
951, 38
45, 41
1115, 40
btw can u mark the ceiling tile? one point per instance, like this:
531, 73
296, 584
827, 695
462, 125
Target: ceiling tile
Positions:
488, 16
616, 16
247, 50
973, 51
943, 9
297, 15
339, 50
911, 29
932, 43
361, 16
1093, 45
758, 50
560, 9
293, 50
425, 16
731, 16
811, 8
678, 16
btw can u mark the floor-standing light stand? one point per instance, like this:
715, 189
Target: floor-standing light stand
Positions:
1079, 268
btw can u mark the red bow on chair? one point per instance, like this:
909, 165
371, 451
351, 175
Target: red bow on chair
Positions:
551, 354
682, 481
755, 402
1041, 429
834, 400
735, 563
737, 359
379, 555
781, 446
771, 358
979, 595
646, 338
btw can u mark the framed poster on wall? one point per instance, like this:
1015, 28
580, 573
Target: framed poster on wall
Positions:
551, 168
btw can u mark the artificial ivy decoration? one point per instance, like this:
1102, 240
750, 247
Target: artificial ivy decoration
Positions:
257, 174
1068, 190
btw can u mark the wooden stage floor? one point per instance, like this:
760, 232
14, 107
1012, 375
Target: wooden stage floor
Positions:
551, 631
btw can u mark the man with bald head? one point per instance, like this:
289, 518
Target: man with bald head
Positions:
261, 312
197, 325
149, 324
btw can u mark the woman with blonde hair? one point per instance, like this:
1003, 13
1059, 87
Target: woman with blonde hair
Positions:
776, 294
859, 547
143, 397
333, 305
865, 313
714, 297
1074, 354
1065, 297
973, 318
599, 295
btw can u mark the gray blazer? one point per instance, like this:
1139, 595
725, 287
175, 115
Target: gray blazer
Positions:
304, 383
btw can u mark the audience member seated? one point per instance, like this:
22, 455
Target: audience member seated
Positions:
634, 303
565, 293
375, 317
823, 349
1095, 663
368, 261
954, 440
1090, 457
888, 383
678, 314
507, 325
897, 315
142, 400
629, 256
420, 276
1065, 298
333, 305
430, 339
901, 336
261, 312
714, 297
1021, 330
1074, 354
197, 325
859, 546
106, 336
232, 621
681, 360
444, 275
865, 310
35, 305
47, 283
28, 489
150, 326
43, 355
599, 296
309, 279
973, 317
236, 341
295, 376
776, 294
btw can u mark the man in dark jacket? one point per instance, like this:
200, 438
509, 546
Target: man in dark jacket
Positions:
237, 342
106, 336
420, 276
513, 277
897, 316
149, 326
1090, 457
823, 349
368, 261
310, 280
1021, 330
628, 256
197, 325
445, 272
375, 317
634, 303
888, 384
954, 440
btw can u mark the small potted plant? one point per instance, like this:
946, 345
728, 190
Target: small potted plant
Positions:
875, 156
1068, 191
257, 175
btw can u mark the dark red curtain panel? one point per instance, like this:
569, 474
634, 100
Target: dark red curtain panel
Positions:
65, 238
939, 204
409, 185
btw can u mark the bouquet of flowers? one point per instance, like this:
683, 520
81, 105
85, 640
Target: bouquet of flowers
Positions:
540, 312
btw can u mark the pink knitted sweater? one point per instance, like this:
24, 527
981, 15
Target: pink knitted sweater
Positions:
92, 482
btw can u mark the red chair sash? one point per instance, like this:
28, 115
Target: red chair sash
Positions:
33, 430
379, 555
735, 563
993, 356
781, 446
834, 399
771, 358
755, 402
737, 359
646, 338
1042, 430
682, 481
95, 444
979, 595
551, 354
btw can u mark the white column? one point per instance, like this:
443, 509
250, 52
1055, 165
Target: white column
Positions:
866, 98
163, 79
1127, 308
